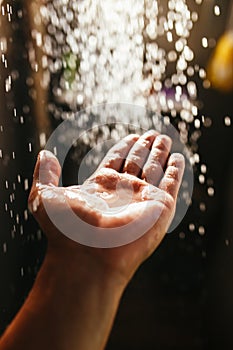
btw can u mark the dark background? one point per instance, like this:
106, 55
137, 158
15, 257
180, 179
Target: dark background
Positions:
182, 297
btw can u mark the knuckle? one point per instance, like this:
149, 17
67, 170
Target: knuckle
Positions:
163, 142
139, 154
169, 202
153, 168
110, 162
162, 146
131, 167
34, 201
155, 162
32, 195
144, 142
173, 173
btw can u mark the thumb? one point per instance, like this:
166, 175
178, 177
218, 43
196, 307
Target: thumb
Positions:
47, 170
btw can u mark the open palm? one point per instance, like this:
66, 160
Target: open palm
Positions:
131, 198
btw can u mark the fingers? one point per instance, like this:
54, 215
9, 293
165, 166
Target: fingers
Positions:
47, 170
172, 178
154, 167
139, 153
117, 154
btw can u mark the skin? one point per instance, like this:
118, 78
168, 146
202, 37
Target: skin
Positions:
75, 297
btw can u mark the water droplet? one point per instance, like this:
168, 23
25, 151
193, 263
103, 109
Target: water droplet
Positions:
204, 42
227, 121
211, 191
217, 10
191, 227
201, 230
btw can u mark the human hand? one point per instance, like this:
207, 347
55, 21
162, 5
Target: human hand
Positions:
129, 183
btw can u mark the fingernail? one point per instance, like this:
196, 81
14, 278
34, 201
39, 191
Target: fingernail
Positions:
45, 155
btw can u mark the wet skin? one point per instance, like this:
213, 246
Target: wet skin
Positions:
136, 170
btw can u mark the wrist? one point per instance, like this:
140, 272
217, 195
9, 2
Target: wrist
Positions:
77, 264
83, 290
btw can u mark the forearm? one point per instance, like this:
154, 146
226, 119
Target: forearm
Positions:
71, 306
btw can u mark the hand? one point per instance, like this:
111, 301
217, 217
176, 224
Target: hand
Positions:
78, 288
129, 183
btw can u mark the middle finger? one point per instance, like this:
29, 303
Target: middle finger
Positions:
139, 153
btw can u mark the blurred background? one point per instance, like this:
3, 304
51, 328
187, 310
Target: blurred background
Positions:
182, 297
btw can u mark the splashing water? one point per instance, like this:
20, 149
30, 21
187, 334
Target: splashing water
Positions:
112, 51
91, 52
95, 52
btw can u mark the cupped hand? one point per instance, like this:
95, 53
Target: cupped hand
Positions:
133, 190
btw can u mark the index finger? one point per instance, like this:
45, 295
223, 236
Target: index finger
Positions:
117, 154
